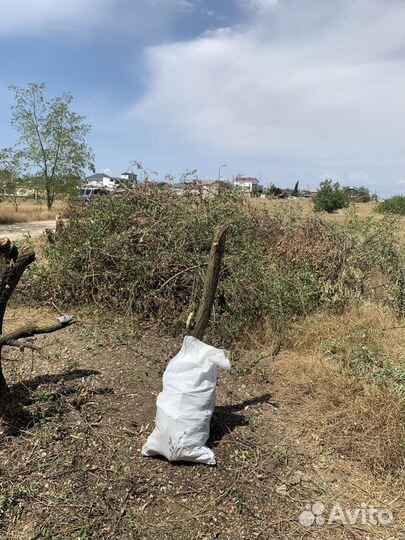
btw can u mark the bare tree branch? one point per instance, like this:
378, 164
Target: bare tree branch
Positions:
33, 329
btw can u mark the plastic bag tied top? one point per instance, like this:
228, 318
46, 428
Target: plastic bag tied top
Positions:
186, 404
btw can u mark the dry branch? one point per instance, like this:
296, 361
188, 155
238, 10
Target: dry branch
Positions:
210, 283
15, 266
24, 344
32, 329
10, 278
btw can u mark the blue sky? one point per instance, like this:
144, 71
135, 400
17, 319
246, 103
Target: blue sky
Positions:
284, 90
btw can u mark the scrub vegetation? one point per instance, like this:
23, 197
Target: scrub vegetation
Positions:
312, 310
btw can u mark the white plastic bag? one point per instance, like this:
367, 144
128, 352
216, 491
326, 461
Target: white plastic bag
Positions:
186, 404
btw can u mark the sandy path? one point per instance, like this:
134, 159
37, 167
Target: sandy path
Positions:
18, 230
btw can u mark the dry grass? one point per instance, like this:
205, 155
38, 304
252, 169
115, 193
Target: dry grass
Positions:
311, 333
338, 371
306, 207
28, 211
354, 420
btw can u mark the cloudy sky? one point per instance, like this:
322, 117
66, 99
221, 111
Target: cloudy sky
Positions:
284, 90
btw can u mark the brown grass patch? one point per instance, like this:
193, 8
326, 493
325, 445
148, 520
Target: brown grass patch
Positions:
309, 334
355, 420
312, 333
28, 211
342, 374
306, 206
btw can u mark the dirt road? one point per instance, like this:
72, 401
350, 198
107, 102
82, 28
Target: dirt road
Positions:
18, 230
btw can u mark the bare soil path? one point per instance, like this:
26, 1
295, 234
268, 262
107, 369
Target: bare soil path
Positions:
16, 231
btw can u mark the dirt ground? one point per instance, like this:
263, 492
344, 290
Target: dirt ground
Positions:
15, 231
70, 455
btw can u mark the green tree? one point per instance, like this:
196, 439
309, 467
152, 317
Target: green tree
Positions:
295, 191
362, 196
8, 187
8, 176
52, 144
274, 191
330, 197
393, 205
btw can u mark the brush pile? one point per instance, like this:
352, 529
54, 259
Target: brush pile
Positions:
146, 253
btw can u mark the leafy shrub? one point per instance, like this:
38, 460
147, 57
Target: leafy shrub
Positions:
146, 254
330, 197
361, 355
393, 205
274, 191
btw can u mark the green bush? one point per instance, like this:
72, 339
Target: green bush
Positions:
362, 196
146, 254
393, 205
330, 197
274, 191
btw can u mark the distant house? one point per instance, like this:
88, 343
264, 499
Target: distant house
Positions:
129, 176
102, 180
203, 188
248, 184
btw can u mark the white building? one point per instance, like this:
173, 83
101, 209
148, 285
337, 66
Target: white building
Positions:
247, 184
101, 180
129, 176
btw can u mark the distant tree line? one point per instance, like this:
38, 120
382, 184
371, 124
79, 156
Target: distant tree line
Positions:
331, 196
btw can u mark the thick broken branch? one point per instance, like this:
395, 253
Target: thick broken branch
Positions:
210, 283
33, 329
10, 278
15, 266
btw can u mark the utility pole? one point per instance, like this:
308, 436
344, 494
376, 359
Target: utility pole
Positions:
219, 171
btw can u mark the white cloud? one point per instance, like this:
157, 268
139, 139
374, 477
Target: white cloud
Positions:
258, 5
311, 79
19, 17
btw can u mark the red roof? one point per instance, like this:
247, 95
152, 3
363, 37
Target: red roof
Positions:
247, 179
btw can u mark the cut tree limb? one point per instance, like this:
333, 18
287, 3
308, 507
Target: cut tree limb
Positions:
32, 329
210, 283
14, 268
9, 280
